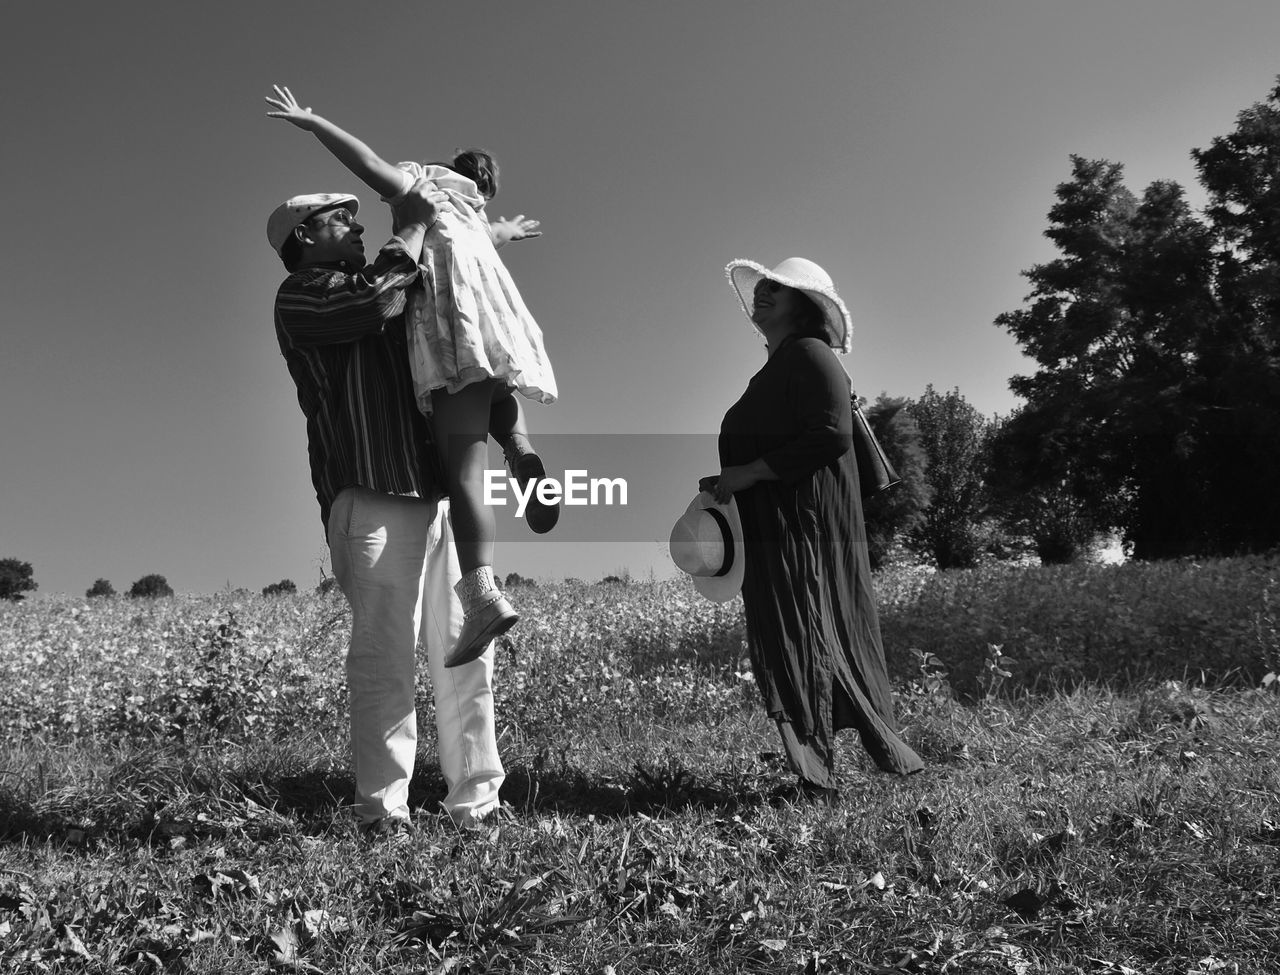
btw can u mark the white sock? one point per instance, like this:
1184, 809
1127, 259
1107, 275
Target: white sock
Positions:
476, 588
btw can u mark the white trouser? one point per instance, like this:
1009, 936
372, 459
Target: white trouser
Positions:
395, 560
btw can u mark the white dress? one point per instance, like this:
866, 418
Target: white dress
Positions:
468, 321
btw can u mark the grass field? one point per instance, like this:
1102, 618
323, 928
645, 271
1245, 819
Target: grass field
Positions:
1103, 791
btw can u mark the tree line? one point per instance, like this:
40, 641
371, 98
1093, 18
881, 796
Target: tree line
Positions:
17, 578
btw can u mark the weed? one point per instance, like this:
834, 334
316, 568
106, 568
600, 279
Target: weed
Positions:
174, 784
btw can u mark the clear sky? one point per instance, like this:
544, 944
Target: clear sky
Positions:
911, 147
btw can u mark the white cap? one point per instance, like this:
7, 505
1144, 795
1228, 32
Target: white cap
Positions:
298, 209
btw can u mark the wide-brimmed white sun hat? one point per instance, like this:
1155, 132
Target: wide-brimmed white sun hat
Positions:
707, 544
804, 275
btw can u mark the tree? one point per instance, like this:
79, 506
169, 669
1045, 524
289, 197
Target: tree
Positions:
1108, 433
893, 514
101, 587
15, 579
953, 436
151, 587
1239, 355
1061, 528
281, 588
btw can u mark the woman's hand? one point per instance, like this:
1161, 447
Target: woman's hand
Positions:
732, 480
290, 111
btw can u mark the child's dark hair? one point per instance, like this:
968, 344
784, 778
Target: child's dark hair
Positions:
479, 167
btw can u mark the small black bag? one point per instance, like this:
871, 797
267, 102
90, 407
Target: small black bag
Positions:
875, 473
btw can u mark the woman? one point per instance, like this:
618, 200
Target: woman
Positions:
786, 457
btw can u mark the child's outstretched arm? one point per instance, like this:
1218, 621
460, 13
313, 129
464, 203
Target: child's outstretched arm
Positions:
516, 228
378, 174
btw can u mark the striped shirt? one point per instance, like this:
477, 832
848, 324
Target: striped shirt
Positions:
343, 337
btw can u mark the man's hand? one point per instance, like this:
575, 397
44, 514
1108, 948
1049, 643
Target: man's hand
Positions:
290, 111
422, 203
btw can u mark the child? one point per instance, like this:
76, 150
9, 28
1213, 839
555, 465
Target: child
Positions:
473, 344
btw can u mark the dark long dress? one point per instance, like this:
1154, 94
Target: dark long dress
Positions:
812, 628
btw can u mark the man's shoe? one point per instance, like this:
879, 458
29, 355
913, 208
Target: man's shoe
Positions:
497, 815
479, 628
528, 469
394, 828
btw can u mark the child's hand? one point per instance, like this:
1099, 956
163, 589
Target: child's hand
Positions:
517, 228
290, 111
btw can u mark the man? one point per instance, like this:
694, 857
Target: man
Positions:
341, 329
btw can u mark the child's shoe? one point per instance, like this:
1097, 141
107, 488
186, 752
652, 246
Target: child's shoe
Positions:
486, 615
526, 468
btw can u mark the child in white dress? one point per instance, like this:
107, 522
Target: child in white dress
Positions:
473, 345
